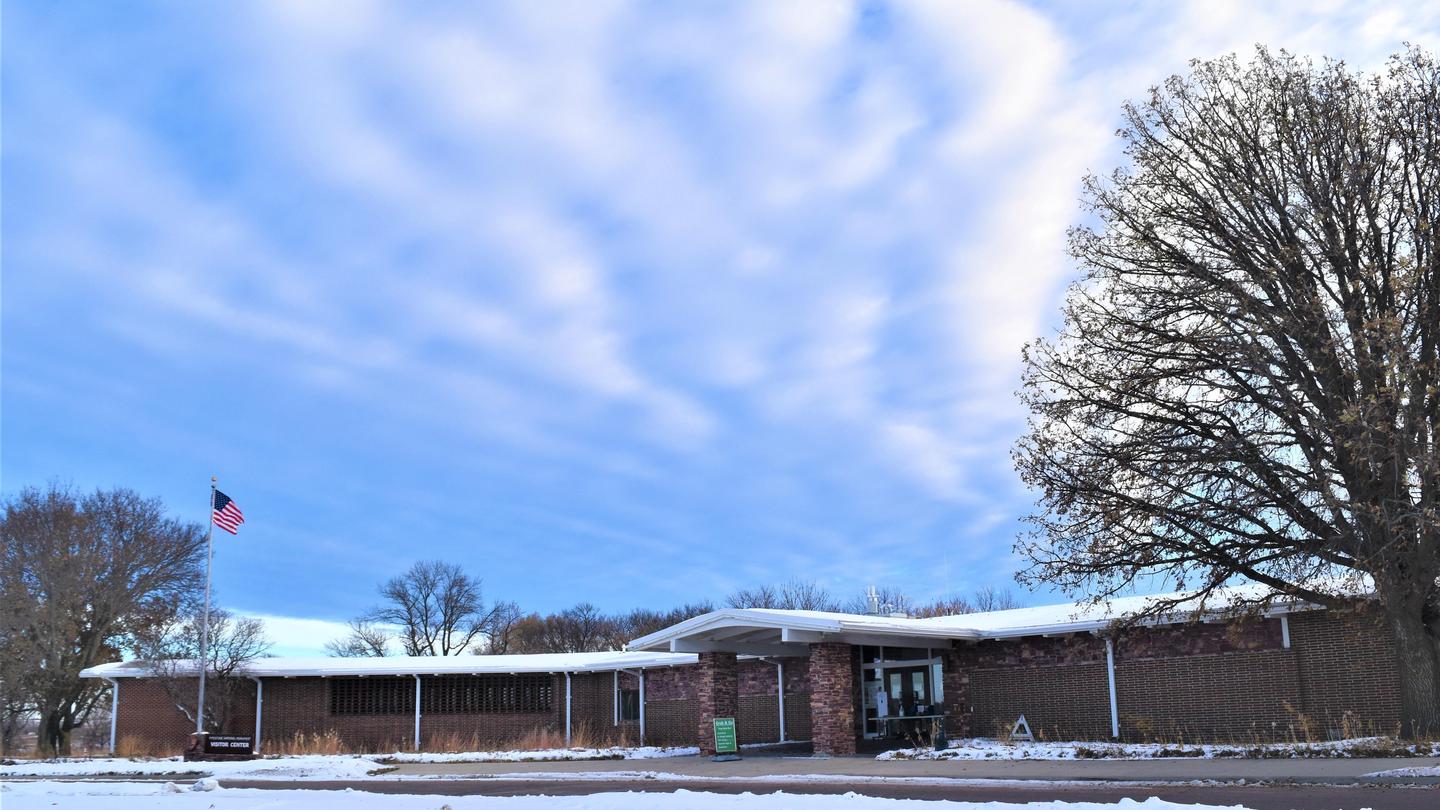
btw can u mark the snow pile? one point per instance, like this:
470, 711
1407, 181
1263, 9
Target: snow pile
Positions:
138, 795
982, 748
1433, 770
545, 755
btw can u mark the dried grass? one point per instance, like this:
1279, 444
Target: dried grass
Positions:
144, 748
318, 742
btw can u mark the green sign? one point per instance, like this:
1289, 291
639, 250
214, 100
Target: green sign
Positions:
725, 735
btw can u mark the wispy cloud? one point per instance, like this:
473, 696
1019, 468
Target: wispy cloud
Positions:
610, 289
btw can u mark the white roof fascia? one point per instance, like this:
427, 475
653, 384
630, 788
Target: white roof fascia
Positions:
825, 624
423, 665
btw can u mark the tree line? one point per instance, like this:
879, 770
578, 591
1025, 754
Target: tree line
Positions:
436, 608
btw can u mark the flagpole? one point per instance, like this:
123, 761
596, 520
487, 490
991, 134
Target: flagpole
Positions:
205, 623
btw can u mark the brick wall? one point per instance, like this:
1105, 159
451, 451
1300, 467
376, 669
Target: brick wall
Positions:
716, 695
1347, 667
833, 698
148, 721
302, 706
1236, 697
1219, 682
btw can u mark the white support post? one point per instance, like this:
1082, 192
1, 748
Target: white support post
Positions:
259, 711
615, 699
1110, 671
114, 710
639, 676
417, 712
567, 710
1285, 632
779, 692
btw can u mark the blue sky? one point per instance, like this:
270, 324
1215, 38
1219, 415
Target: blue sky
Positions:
634, 303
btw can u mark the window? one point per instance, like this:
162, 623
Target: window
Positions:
481, 694
629, 704
372, 695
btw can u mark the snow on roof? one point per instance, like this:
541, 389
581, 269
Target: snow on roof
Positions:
423, 665
809, 621
1074, 617
1070, 617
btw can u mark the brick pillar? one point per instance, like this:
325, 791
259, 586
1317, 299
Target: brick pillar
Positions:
832, 699
957, 664
718, 694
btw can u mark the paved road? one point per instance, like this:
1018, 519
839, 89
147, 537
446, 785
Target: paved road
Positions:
1154, 770
1276, 797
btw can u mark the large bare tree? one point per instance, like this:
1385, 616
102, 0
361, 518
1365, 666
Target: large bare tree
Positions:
1246, 384
80, 576
434, 608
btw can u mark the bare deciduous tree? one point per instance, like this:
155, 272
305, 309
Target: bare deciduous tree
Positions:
1246, 384
500, 635
797, 594
366, 640
435, 608
173, 648
984, 600
80, 577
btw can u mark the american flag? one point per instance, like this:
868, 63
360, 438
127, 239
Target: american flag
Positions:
226, 515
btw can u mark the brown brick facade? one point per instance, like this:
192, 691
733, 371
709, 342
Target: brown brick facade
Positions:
717, 694
1206, 682
832, 698
149, 721
1214, 682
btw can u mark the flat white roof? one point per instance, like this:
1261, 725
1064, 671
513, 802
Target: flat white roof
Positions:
423, 665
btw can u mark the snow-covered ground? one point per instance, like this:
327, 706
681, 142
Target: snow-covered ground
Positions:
173, 796
316, 766
546, 755
981, 748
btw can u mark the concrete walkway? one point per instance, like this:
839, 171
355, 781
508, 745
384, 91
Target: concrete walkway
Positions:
1321, 771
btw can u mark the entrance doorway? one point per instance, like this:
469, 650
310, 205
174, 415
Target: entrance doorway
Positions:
902, 691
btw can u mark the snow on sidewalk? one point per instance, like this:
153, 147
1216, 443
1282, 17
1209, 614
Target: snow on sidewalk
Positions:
318, 766
204, 795
982, 748
545, 755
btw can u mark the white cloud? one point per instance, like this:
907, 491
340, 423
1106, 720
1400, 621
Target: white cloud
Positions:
755, 257
295, 636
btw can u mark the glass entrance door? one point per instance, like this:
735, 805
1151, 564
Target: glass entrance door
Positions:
897, 683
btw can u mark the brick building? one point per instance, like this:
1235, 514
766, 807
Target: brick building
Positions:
839, 680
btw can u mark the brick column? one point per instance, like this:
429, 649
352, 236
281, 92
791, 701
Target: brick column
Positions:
717, 694
957, 664
832, 699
